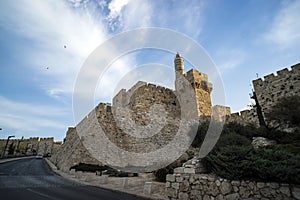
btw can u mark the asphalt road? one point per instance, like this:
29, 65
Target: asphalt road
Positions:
32, 179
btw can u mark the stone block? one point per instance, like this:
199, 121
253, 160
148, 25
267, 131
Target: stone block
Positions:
170, 177
175, 186
285, 191
235, 183
179, 170
184, 186
179, 179
168, 184
219, 197
225, 187
183, 196
72, 171
296, 193
196, 195
171, 192
233, 196
189, 170
124, 183
103, 179
260, 184
148, 188
274, 185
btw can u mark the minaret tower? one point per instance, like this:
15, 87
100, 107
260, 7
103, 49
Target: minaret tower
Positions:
179, 70
178, 63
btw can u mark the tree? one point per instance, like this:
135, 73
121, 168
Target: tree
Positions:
285, 112
11, 149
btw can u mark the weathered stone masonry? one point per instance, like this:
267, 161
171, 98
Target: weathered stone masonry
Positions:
140, 101
273, 87
268, 91
206, 187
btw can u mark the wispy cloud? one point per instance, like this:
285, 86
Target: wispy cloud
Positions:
26, 118
230, 59
285, 29
60, 39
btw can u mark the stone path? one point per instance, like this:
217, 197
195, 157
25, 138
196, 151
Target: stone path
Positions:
143, 186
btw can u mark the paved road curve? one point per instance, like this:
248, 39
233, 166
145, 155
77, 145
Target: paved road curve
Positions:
32, 179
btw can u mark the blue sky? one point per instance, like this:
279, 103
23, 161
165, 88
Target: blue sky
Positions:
37, 73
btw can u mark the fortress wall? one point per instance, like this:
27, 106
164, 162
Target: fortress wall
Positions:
273, 87
28, 146
245, 117
71, 152
220, 112
134, 116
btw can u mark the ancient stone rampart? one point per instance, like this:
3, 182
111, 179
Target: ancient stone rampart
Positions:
33, 145
273, 87
71, 152
245, 117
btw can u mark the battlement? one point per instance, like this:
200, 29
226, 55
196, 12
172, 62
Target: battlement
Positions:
196, 75
47, 139
122, 98
296, 67
280, 74
275, 86
244, 117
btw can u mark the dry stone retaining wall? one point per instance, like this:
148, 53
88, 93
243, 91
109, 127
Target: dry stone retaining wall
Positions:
207, 186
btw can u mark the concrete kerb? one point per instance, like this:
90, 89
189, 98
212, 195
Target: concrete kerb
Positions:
13, 159
101, 182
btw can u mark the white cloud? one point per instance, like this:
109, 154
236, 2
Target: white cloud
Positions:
230, 59
285, 30
60, 36
115, 8
25, 118
129, 14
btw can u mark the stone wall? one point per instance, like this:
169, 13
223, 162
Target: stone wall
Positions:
207, 186
200, 84
30, 145
245, 117
273, 87
71, 152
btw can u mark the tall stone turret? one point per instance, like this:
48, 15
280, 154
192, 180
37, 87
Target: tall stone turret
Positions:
179, 64
199, 82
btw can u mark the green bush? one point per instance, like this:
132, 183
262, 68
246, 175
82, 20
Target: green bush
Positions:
286, 112
93, 168
88, 167
231, 139
248, 131
161, 174
238, 162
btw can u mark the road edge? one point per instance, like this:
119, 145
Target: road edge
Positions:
13, 159
66, 176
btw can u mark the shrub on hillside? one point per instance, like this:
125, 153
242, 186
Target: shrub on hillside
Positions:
88, 167
286, 112
239, 162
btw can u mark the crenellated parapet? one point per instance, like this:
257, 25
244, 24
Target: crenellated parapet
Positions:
199, 80
276, 86
244, 117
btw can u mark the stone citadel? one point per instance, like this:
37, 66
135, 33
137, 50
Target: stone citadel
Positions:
139, 101
142, 95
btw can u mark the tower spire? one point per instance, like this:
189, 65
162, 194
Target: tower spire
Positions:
179, 64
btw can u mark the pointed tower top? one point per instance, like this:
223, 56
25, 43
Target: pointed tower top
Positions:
178, 55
